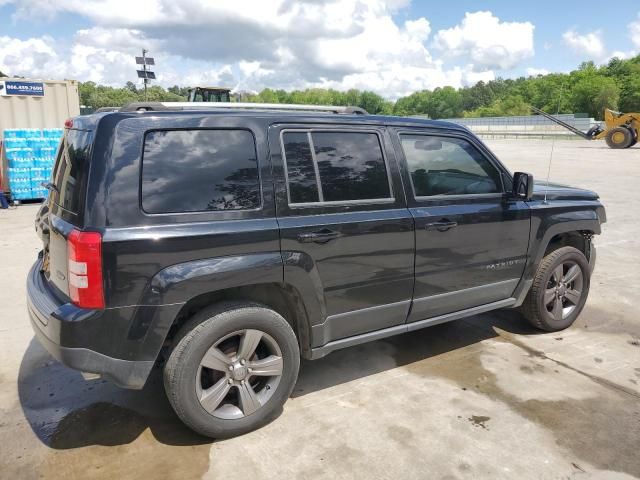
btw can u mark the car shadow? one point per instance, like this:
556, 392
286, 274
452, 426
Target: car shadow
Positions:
65, 411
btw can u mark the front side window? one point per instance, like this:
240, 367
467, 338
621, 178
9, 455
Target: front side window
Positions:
448, 166
335, 167
199, 170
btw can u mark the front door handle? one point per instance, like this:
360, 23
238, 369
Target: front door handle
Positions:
323, 236
441, 226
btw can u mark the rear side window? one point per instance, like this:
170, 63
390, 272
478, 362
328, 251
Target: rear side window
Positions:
199, 170
335, 167
448, 166
71, 169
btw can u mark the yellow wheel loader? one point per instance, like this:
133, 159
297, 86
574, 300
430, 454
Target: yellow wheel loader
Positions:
621, 129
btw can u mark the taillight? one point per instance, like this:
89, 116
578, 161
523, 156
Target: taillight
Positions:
84, 253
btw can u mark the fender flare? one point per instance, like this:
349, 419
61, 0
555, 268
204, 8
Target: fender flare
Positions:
563, 222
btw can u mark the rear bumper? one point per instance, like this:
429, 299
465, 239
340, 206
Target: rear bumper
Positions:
56, 324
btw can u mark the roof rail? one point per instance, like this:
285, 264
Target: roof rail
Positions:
161, 106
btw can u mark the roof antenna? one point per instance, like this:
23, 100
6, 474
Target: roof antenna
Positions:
553, 142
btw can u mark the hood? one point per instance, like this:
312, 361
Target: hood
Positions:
556, 191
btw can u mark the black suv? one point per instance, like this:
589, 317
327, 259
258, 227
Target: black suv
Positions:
225, 241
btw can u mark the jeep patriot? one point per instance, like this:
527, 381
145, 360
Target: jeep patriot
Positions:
223, 242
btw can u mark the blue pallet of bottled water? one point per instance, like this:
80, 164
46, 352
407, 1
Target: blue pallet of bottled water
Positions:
20, 162
54, 133
22, 194
42, 162
39, 192
20, 158
12, 143
19, 178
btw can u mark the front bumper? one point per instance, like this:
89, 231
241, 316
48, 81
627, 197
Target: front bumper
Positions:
56, 323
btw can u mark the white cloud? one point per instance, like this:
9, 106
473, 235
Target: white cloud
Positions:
534, 72
588, 46
634, 32
488, 42
252, 44
34, 57
472, 77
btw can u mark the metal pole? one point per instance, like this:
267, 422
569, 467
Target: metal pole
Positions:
144, 67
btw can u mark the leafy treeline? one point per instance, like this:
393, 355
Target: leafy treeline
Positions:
589, 89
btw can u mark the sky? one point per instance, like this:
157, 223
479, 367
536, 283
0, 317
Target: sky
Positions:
392, 47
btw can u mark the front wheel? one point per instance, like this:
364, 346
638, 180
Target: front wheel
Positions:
232, 369
619, 137
559, 290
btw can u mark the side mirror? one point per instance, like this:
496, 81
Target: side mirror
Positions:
523, 185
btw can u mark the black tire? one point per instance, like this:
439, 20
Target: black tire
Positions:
195, 339
619, 137
536, 310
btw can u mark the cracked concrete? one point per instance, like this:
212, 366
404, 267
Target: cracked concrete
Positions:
483, 397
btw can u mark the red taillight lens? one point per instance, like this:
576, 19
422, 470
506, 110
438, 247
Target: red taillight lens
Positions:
84, 252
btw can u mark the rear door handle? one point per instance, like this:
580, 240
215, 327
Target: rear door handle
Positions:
323, 236
441, 226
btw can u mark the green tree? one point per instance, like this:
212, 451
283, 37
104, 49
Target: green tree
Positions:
503, 107
445, 102
593, 93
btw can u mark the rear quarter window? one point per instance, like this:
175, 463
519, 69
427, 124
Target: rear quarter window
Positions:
199, 171
72, 167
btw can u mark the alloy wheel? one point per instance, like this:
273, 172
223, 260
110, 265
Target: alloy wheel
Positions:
239, 374
564, 290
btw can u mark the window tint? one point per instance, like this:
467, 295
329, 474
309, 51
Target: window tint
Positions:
71, 169
303, 187
350, 165
198, 170
448, 166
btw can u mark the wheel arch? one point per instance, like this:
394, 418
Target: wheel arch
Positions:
280, 297
568, 228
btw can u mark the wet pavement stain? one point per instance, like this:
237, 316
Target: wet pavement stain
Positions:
479, 421
603, 430
93, 429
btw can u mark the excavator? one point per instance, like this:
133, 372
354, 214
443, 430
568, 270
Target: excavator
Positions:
621, 130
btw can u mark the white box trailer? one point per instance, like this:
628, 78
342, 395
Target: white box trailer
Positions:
26, 103
33, 104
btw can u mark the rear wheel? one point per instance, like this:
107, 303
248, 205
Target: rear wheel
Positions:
232, 369
559, 291
619, 137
